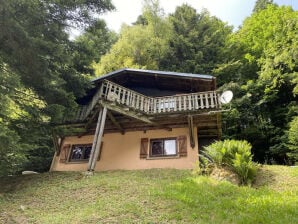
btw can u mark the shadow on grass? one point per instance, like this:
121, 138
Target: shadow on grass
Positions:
14, 184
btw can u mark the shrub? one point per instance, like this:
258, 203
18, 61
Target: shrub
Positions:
235, 154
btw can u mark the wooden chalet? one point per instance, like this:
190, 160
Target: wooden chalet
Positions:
140, 119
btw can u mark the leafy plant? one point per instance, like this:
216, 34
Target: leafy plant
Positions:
235, 154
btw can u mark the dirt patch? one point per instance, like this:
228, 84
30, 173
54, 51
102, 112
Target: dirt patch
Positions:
10, 219
277, 177
225, 173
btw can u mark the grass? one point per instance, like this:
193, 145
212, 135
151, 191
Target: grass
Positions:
149, 196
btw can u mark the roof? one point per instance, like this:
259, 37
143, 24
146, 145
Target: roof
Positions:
152, 72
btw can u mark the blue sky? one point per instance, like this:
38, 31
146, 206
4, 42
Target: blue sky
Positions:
231, 11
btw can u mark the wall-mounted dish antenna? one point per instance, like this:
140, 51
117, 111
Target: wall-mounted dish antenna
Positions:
226, 97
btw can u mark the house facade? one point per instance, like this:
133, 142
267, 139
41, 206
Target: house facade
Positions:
141, 119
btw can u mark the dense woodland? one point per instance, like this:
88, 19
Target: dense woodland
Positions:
43, 71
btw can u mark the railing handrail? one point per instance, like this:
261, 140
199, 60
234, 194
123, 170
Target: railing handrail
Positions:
151, 105
183, 94
127, 89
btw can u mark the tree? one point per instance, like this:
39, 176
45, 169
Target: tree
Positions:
266, 71
140, 45
91, 45
197, 41
261, 4
38, 82
293, 139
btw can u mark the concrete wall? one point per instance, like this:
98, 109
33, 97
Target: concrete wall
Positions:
123, 152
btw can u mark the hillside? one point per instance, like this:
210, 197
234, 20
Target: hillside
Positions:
149, 196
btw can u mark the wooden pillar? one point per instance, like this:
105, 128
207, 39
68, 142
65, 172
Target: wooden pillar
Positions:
191, 131
97, 138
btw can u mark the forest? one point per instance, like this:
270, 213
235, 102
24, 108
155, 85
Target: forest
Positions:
43, 70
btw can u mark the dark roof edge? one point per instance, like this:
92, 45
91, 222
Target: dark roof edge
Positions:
167, 73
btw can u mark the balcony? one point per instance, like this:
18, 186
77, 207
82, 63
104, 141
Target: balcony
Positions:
128, 101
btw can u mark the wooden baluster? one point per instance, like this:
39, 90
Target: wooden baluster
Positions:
179, 99
127, 98
189, 102
206, 100
212, 100
123, 96
184, 103
136, 101
105, 91
201, 101
118, 94
108, 89
172, 106
142, 100
135, 97
215, 99
219, 103
174, 103
144, 105
196, 102
159, 105
132, 104
150, 105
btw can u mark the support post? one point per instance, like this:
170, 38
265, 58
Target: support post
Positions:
97, 138
191, 131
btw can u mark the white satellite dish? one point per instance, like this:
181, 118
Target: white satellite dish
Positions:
226, 97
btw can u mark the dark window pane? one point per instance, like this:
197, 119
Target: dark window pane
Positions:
156, 148
87, 152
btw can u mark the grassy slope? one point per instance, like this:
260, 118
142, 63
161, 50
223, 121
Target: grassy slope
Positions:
149, 196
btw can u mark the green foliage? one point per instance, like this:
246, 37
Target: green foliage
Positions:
139, 46
262, 61
197, 41
12, 152
235, 154
38, 80
293, 139
91, 45
261, 5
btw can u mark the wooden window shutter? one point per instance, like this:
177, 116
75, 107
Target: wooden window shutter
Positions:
182, 145
101, 145
64, 153
144, 148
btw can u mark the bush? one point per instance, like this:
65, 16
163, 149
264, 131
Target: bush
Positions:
235, 154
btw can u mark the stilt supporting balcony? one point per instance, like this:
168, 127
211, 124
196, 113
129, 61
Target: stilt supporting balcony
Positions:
97, 138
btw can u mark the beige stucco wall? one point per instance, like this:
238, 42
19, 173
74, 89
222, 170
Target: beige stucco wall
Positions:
123, 152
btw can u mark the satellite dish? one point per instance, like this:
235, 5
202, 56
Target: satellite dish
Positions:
226, 97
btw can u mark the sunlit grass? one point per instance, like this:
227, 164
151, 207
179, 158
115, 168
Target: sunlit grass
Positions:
148, 196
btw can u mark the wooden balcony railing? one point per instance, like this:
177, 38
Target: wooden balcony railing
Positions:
132, 100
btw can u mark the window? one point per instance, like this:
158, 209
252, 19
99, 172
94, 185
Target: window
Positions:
80, 153
163, 147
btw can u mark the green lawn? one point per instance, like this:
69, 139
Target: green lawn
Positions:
149, 196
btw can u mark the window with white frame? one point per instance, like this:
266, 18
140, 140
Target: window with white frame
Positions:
163, 147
